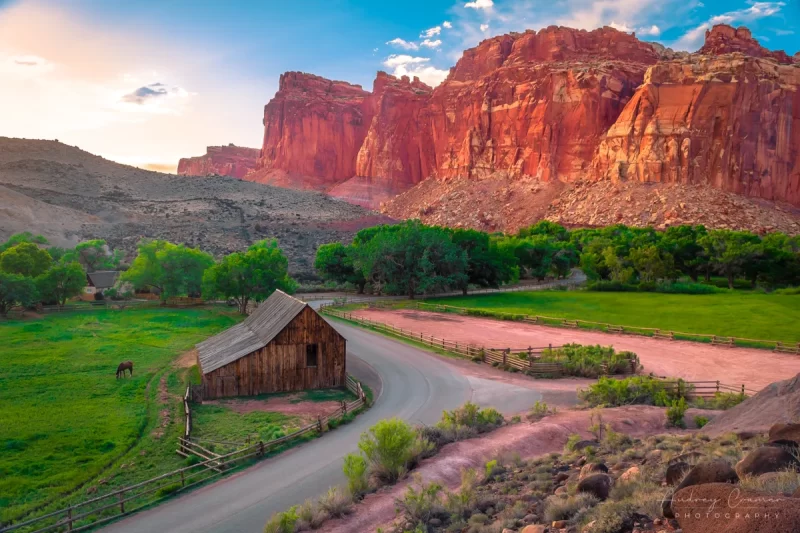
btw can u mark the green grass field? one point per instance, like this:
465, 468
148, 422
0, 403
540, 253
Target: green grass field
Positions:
748, 315
67, 422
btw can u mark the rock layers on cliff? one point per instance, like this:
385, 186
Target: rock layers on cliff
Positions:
233, 161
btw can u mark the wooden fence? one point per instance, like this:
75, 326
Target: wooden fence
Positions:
715, 340
705, 389
502, 357
102, 509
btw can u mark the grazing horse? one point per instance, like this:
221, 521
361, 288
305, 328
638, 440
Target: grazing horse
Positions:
125, 365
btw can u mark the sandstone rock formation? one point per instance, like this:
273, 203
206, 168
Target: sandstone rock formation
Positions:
573, 108
233, 161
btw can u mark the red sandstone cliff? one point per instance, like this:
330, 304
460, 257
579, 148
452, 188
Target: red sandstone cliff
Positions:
313, 130
230, 160
559, 105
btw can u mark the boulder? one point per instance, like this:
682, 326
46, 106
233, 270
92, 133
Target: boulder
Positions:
675, 472
581, 444
534, 528
598, 485
735, 510
717, 471
592, 468
766, 459
630, 474
688, 457
785, 434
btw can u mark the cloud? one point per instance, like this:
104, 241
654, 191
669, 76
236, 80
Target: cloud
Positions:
405, 65
621, 27
484, 27
693, 39
431, 32
479, 4
144, 94
431, 44
402, 43
26, 66
784, 32
149, 98
653, 30
447, 25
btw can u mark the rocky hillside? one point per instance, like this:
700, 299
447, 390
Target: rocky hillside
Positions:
234, 161
67, 195
567, 113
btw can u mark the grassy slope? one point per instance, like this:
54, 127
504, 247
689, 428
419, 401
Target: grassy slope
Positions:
65, 417
748, 315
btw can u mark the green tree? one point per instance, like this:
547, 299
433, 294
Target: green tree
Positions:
251, 275
62, 282
146, 271
729, 251
94, 255
182, 270
488, 264
412, 258
16, 289
19, 238
683, 243
782, 259
565, 259
334, 262
651, 263
547, 228
26, 259
617, 270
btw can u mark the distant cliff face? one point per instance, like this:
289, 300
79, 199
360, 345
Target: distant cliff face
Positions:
230, 160
555, 105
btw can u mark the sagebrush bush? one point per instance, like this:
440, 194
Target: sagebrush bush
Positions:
460, 503
700, 421
564, 508
310, 516
589, 361
784, 482
355, 468
284, 522
540, 410
675, 413
388, 448
572, 441
420, 505
633, 390
336, 502
721, 401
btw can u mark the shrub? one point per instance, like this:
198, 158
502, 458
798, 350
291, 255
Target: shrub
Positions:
783, 482
460, 503
539, 411
355, 468
493, 468
387, 447
167, 490
611, 286
572, 441
686, 288
675, 413
310, 516
282, 522
615, 441
589, 361
465, 422
700, 421
790, 291
419, 506
633, 390
721, 401
336, 502
564, 508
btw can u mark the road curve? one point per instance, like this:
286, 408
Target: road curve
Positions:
413, 385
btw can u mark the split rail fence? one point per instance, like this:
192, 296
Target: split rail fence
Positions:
102, 509
715, 340
504, 357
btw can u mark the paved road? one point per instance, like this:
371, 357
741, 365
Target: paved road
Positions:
413, 385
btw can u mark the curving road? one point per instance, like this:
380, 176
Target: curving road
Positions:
410, 384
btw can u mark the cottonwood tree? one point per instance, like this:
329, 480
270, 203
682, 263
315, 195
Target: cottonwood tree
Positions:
729, 251
251, 275
16, 289
26, 259
334, 262
94, 255
412, 259
170, 269
651, 263
488, 264
62, 282
18, 238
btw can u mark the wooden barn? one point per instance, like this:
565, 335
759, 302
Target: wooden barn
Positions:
284, 345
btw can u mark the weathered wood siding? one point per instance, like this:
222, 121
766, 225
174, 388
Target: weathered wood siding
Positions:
280, 366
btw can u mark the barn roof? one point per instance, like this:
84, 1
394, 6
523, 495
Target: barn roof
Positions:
257, 330
103, 279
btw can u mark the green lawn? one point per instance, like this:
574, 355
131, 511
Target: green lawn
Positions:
748, 315
67, 423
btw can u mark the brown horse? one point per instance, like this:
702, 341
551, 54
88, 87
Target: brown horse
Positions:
125, 365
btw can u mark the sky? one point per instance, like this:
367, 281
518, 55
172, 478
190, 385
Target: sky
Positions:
148, 82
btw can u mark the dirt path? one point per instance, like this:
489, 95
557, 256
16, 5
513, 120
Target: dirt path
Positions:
290, 405
689, 360
526, 439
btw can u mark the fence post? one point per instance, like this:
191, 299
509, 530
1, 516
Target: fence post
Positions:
717, 385
505, 355
319, 424
69, 518
344, 407
122, 502
183, 479
530, 352
742, 389
550, 348
260, 447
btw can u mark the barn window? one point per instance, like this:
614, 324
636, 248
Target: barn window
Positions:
311, 355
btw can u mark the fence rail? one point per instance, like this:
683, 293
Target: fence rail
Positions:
102, 509
716, 340
505, 357
705, 389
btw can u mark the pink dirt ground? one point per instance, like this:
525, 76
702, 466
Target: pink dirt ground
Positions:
526, 439
281, 404
689, 360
